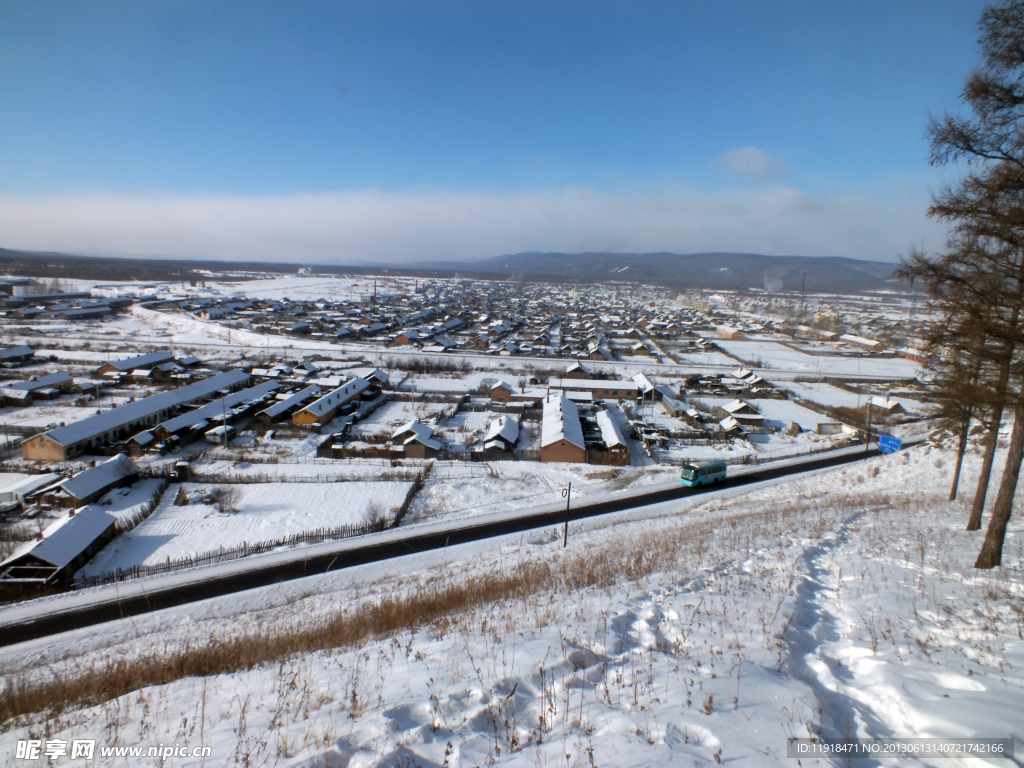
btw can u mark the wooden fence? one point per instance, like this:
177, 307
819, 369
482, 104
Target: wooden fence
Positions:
127, 523
235, 553
245, 549
237, 478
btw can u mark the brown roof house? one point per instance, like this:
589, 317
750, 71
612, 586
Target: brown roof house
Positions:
416, 440
561, 431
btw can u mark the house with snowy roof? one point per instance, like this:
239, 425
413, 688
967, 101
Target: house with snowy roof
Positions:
502, 433
65, 547
90, 484
326, 408
415, 440
561, 431
613, 441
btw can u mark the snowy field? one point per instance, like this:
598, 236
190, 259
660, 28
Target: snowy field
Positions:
826, 394
686, 633
265, 511
298, 288
517, 485
392, 415
783, 358
703, 360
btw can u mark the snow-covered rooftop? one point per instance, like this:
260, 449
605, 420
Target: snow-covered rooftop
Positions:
68, 537
7, 354
27, 485
217, 407
417, 432
50, 380
504, 427
610, 432
291, 400
337, 397
141, 361
103, 475
646, 385
129, 413
561, 421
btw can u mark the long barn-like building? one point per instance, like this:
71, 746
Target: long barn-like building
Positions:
63, 443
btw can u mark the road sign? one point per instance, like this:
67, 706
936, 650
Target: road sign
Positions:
888, 444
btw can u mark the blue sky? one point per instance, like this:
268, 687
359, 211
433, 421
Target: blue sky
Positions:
395, 131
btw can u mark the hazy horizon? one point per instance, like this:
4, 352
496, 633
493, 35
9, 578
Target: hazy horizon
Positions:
403, 132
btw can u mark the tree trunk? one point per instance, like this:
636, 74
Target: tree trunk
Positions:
991, 553
965, 428
974, 522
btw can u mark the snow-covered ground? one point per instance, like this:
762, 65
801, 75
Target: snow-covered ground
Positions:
264, 512
829, 395
129, 503
779, 356
689, 632
392, 415
518, 485
303, 288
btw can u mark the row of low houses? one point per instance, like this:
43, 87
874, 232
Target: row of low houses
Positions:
580, 389
70, 542
150, 421
46, 387
16, 355
122, 423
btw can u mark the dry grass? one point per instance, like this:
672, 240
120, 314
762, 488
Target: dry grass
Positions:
672, 547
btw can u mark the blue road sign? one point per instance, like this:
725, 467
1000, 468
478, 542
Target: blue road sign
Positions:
888, 444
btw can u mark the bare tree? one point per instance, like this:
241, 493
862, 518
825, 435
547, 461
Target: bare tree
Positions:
979, 280
226, 499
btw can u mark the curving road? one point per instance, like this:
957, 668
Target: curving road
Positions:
265, 570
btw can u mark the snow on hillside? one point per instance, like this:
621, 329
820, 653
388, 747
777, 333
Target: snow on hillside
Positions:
691, 632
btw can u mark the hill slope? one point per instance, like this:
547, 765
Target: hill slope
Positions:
722, 271
716, 271
695, 632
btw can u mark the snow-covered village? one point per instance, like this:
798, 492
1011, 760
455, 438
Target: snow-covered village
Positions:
424, 385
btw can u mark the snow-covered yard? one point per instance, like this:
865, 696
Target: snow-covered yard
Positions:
779, 356
521, 484
829, 395
264, 512
392, 415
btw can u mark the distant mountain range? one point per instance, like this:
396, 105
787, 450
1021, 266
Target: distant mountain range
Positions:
719, 271
716, 271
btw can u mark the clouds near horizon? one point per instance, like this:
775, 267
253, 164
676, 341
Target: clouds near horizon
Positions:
753, 162
393, 228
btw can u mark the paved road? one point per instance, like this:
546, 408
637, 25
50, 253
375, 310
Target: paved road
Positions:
264, 574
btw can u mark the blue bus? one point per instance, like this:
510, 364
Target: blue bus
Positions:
704, 473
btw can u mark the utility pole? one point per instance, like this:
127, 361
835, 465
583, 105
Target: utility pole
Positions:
867, 436
803, 293
567, 493
224, 405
